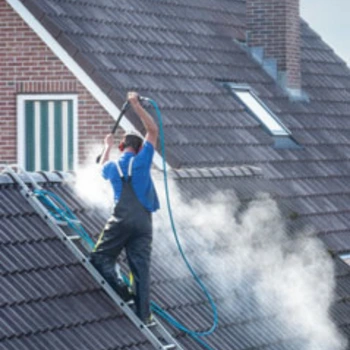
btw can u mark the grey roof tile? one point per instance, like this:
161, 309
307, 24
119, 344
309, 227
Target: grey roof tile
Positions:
176, 52
34, 255
62, 287
93, 335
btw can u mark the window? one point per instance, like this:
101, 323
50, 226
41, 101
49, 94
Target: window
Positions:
281, 135
266, 117
47, 132
345, 257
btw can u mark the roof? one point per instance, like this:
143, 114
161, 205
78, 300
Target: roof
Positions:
49, 298
177, 53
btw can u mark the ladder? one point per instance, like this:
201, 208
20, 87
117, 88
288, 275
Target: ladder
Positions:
156, 333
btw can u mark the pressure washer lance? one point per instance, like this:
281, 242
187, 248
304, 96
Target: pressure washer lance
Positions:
116, 124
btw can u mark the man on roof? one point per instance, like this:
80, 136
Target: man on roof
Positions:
135, 197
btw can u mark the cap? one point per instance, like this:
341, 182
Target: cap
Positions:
133, 133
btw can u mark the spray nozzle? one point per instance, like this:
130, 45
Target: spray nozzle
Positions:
142, 98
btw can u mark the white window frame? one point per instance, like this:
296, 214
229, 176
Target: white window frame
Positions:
240, 87
21, 99
344, 257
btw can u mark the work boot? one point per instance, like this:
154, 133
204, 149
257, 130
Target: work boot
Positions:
150, 321
123, 291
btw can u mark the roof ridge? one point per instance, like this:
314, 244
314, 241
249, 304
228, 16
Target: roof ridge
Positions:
155, 42
88, 290
29, 241
155, 28
39, 176
160, 2
215, 172
40, 268
60, 327
151, 57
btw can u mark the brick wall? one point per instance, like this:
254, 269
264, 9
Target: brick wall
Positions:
28, 66
275, 25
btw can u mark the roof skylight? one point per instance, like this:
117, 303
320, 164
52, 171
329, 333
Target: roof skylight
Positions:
281, 136
261, 111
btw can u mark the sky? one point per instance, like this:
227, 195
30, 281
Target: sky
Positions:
330, 19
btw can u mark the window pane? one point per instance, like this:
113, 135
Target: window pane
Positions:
261, 112
44, 133
58, 135
70, 136
51, 122
49, 134
29, 136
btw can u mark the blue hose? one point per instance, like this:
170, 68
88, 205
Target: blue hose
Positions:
157, 309
62, 212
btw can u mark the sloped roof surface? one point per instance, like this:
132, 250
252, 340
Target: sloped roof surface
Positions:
145, 45
49, 300
176, 52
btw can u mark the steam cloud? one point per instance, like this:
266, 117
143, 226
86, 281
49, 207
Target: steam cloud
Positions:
90, 185
249, 256
257, 265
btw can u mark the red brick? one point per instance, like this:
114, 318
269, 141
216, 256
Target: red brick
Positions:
275, 26
27, 65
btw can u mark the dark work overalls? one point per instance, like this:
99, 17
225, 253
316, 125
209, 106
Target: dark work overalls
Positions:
129, 227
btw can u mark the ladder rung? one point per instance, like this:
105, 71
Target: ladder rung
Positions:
170, 346
65, 223
73, 238
61, 223
77, 222
151, 324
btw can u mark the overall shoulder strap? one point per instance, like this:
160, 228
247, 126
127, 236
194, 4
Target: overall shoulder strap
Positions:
130, 167
119, 170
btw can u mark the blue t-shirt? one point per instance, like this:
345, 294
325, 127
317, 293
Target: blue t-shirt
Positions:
141, 176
